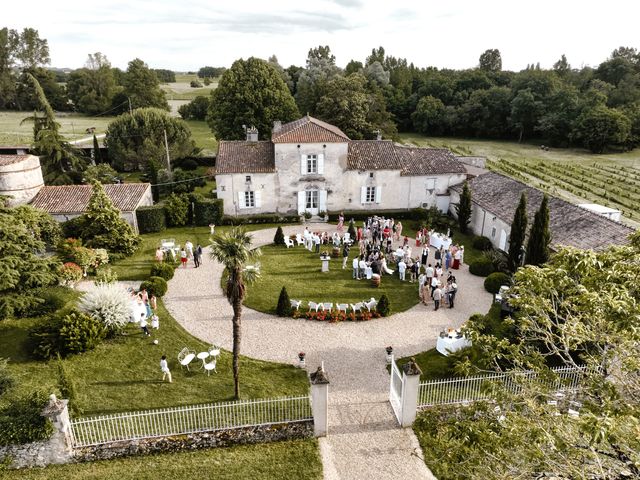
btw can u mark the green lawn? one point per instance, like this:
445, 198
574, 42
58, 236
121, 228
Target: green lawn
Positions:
202, 136
297, 460
123, 374
299, 270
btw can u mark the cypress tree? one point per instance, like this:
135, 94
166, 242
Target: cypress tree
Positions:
352, 230
540, 236
278, 239
284, 304
518, 232
97, 156
463, 209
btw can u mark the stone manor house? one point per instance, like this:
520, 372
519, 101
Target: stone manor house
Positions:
312, 166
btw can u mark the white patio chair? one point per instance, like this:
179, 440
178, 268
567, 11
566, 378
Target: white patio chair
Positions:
288, 242
315, 306
210, 366
214, 351
342, 307
296, 304
371, 304
357, 307
185, 357
299, 239
346, 238
326, 305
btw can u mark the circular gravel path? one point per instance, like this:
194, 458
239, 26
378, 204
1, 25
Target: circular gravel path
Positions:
363, 441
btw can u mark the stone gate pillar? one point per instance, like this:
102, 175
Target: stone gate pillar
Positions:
410, 388
320, 402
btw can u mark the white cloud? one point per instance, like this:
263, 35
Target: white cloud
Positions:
189, 34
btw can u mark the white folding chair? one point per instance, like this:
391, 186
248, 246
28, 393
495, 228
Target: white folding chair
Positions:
299, 239
357, 307
371, 304
210, 366
342, 307
185, 357
315, 306
327, 306
288, 242
296, 304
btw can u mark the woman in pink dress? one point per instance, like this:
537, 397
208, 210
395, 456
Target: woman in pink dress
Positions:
340, 222
359, 234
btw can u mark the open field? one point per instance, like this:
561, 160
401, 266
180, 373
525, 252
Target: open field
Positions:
575, 175
74, 125
297, 459
182, 90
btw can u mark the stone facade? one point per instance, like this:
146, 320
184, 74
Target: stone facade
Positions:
20, 178
193, 441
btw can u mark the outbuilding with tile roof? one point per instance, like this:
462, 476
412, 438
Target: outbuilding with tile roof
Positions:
64, 202
495, 198
312, 166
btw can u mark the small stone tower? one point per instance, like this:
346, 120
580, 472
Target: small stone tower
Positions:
20, 178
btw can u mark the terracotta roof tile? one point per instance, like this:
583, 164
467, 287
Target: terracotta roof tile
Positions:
245, 157
570, 225
429, 161
373, 155
11, 159
75, 198
308, 130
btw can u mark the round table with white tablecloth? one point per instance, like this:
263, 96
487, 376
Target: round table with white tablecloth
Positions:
438, 240
446, 345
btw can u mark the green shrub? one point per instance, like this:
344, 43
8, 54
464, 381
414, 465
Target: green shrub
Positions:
384, 307
307, 215
189, 164
278, 239
70, 274
352, 230
105, 274
163, 270
21, 421
481, 267
79, 333
482, 243
53, 299
495, 280
151, 219
284, 304
261, 218
177, 210
73, 228
207, 211
155, 286
67, 388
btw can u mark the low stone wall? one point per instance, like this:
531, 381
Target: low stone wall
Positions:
194, 441
38, 454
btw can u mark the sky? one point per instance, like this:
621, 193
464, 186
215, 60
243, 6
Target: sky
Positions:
184, 35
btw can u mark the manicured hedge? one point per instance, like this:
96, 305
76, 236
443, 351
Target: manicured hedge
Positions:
495, 280
482, 267
262, 218
482, 243
151, 219
207, 211
163, 270
155, 286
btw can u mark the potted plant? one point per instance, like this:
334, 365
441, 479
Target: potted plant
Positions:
323, 215
307, 215
389, 350
301, 356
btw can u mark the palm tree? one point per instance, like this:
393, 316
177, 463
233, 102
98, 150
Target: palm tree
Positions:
233, 250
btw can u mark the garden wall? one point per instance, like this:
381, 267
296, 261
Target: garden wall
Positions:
192, 441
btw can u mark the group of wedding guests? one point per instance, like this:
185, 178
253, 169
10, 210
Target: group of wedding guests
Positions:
188, 252
143, 309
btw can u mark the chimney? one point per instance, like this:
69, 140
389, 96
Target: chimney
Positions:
277, 125
252, 134
378, 135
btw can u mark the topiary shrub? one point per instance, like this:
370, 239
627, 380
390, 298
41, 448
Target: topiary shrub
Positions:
177, 210
207, 211
21, 420
384, 307
67, 388
109, 303
278, 239
163, 270
352, 230
155, 286
284, 304
482, 243
495, 280
481, 267
151, 219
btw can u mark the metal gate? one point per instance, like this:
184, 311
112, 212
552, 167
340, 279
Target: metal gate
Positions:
396, 389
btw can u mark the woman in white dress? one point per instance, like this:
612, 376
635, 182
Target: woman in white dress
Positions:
386, 269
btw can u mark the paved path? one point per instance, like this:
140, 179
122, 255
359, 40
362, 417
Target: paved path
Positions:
364, 440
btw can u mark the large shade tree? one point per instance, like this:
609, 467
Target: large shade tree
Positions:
233, 250
251, 93
93, 87
142, 87
580, 310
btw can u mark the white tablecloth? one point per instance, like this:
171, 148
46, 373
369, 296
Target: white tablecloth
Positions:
451, 344
438, 240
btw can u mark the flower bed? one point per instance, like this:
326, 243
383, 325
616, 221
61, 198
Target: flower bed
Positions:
335, 316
